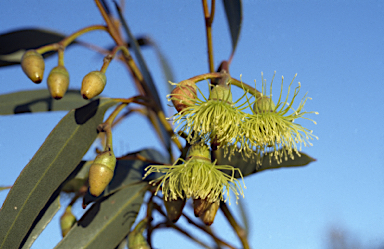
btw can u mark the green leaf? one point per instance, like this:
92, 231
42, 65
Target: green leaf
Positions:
73, 185
110, 219
167, 71
43, 222
148, 86
41, 179
15, 43
233, 10
39, 101
248, 166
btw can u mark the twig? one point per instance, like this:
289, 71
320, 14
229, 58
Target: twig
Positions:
171, 225
208, 232
238, 230
208, 27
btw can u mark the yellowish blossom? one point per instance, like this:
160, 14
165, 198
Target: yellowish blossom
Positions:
197, 177
271, 127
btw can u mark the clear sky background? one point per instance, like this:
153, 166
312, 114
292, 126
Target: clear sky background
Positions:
335, 47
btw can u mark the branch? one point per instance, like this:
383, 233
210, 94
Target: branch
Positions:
238, 230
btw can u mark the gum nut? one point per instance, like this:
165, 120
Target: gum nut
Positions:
93, 84
209, 215
58, 82
183, 95
33, 65
174, 208
199, 206
99, 178
66, 221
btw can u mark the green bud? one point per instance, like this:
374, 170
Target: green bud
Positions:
58, 82
93, 84
67, 220
136, 239
101, 172
183, 94
33, 65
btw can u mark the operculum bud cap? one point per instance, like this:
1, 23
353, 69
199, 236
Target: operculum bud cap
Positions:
93, 84
183, 94
33, 65
263, 104
58, 82
101, 172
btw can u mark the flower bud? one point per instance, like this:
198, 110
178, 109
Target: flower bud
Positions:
263, 104
67, 220
33, 65
183, 94
209, 214
93, 84
101, 172
174, 208
136, 239
219, 92
199, 206
58, 81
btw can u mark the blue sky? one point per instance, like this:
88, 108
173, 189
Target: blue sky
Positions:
335, 47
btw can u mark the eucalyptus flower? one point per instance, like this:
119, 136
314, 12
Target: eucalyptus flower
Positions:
196, 177
271, 126
216, 118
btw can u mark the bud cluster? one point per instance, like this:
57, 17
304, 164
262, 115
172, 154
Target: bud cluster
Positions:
33, 66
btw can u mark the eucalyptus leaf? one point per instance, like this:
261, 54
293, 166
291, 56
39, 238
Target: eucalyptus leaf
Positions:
233, 10
15, 43
56, 159
248, 165
110, 218
53, 208
149, 86
108, 221
39, 101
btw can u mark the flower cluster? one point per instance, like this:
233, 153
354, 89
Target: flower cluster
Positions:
266, 129
269, 128
196, 177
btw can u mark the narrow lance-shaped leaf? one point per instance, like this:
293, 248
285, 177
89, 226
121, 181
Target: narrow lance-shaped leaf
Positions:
56, 159
248, 166
233, 10
149, 85
15, 43
109, 220
43, 222
39, 101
